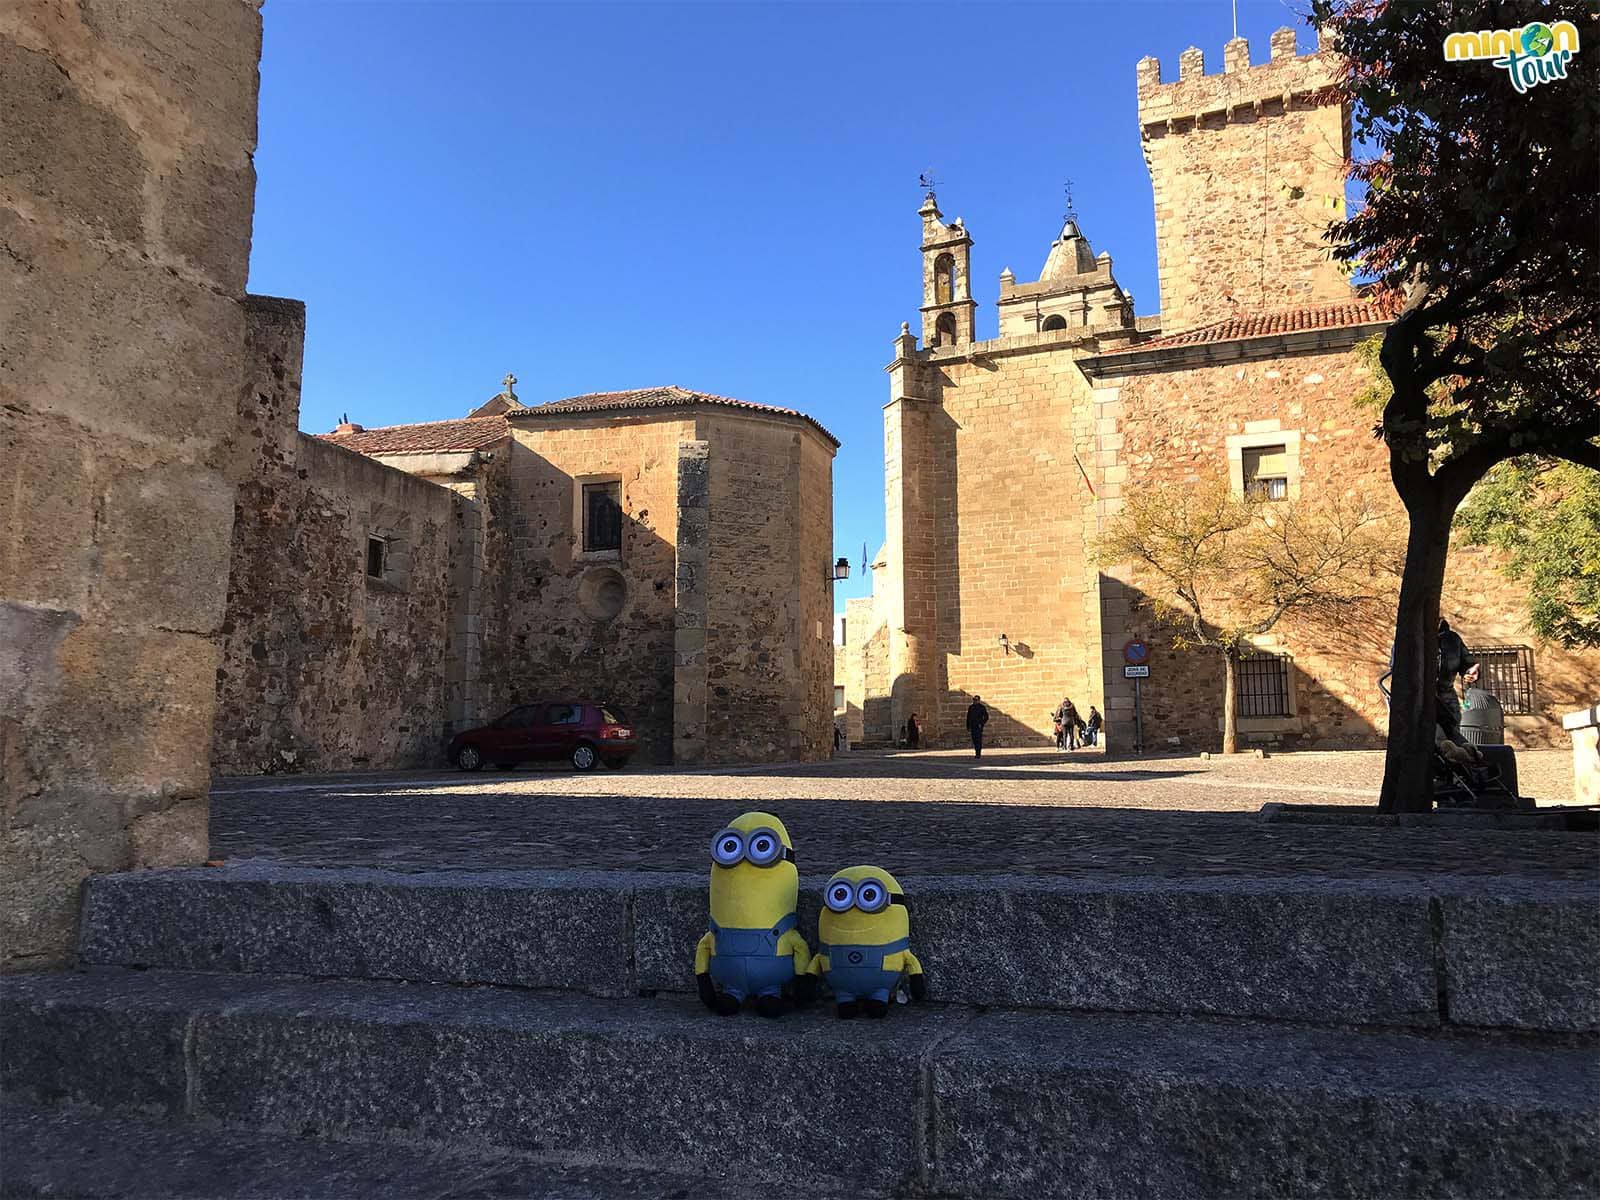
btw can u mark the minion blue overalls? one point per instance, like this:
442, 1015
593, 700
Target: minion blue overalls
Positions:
746, 962
857, 972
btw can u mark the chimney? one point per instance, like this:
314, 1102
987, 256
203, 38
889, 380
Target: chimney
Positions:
346, 426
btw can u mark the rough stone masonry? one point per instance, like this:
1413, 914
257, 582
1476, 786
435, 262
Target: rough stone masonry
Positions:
126, 197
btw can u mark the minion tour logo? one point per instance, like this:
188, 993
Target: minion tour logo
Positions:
1534, 54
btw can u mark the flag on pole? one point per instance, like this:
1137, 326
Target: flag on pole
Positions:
863, 558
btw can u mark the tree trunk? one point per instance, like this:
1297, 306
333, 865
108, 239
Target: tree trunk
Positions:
1408, 763
1230, 716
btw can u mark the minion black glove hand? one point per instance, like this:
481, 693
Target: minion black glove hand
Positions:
708, 991
919, 987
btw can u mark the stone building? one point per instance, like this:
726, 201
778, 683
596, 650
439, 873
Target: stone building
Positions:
663, 550
1004, 457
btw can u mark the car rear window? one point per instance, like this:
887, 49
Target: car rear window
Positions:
612, 716
564, 714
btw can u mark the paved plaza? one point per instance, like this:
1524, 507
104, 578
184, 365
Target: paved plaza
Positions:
1016, 812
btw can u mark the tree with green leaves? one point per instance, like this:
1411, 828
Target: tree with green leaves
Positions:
1221, 570
1544, 518
1481, 217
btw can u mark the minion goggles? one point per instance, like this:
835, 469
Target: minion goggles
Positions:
870, 896
759, 847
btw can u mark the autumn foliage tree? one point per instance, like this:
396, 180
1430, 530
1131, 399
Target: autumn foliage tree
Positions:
1481, 217
1222, 569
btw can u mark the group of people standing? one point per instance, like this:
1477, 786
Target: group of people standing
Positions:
1072, 730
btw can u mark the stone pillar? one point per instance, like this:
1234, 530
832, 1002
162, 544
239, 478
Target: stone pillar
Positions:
128, 189
689, 637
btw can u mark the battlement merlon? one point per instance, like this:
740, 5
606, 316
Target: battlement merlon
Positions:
1301, 78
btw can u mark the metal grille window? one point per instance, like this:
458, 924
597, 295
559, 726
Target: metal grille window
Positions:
1261, 685
1506, 673
1266, 472
602, 516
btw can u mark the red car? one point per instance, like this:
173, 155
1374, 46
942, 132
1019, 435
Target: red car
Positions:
580, 732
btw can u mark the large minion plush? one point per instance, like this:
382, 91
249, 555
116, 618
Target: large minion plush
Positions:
752, 949
865, 942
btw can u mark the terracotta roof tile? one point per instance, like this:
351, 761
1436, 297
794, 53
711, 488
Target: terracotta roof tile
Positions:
670, 396
1270, 324
469, 433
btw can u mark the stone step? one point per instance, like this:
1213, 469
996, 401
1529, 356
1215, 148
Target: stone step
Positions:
1474, 952
932, 1100
92, 1155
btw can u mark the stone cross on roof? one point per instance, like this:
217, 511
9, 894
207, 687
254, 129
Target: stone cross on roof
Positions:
510, 384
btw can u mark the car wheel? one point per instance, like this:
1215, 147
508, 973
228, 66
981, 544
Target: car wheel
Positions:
468, 758
616, 764
584, 757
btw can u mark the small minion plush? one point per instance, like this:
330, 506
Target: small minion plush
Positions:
752, 948
865, 942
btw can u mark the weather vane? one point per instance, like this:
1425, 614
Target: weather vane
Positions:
926, 179
1072, 212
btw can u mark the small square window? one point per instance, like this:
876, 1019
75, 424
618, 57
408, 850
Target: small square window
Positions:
377, 551
838, 696
602, 516
1266, 472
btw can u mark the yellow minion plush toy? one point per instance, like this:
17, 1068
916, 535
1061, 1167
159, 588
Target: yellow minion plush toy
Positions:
865, 942
752, 948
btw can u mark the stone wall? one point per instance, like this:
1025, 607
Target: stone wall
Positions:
126, 197
1247, 167
1177, 424
769, 665
560, 623
326, 667
1002, 546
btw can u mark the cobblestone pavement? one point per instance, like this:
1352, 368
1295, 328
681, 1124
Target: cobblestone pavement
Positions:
1018, 812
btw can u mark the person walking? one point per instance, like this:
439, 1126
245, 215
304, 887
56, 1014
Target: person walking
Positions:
977, 718
1091, 731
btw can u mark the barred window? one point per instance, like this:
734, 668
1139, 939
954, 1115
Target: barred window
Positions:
602, 516
1261, 685
1506, 673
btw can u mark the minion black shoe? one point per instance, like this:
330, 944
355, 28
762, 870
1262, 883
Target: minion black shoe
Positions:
769, 1006
726, 1005
875, 1008
848, 1009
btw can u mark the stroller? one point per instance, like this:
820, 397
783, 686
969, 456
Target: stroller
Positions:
1463, 779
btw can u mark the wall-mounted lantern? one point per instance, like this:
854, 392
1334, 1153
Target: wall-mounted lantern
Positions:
1005, 643
841, 569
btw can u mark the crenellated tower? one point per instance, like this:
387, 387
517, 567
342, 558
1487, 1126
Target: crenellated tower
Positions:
948, 309
1248, 169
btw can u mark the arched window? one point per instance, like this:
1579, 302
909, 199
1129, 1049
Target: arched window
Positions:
944, 279
1057, 321
945, 330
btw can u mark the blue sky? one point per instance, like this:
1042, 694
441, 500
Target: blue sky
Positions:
722, 196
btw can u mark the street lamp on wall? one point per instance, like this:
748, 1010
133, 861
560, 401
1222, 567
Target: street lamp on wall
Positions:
841, 569
1005, 643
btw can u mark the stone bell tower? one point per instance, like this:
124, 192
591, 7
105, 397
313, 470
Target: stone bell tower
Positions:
947, 304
